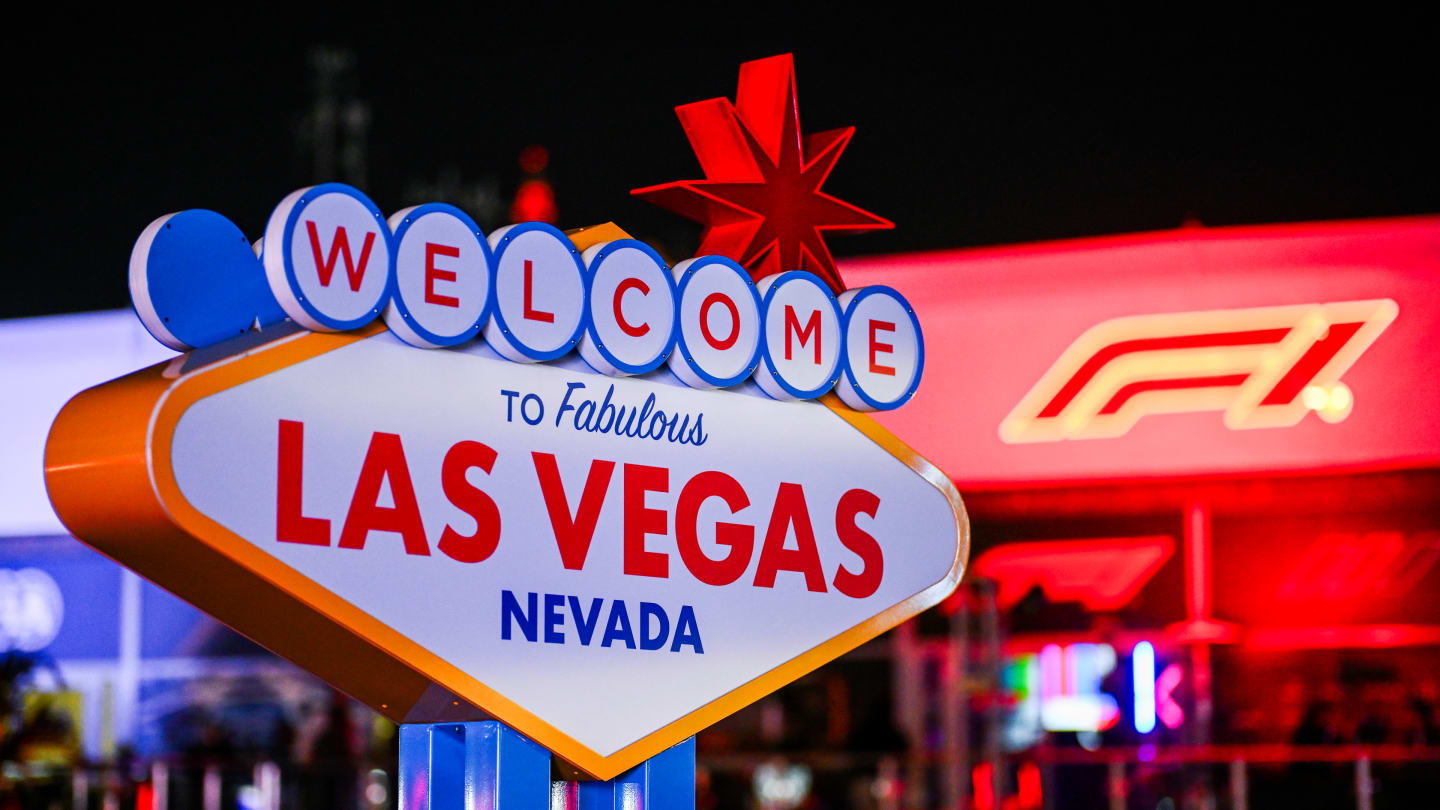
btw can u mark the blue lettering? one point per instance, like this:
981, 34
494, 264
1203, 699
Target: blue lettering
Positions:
687, 631
525, 410
554, 619
603, 426
548, 610
650, 610
565, 403
618, 628
510, 609
585, 624
509, 404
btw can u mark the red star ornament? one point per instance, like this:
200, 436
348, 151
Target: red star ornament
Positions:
760, 201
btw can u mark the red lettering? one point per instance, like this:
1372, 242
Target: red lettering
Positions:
812, 326
471, 500
573, 534
865, 583
291, 525
385, 460
531, 313
738, 536
790, 510
340, 246
876, 346
640, 521
625, 326
432, 273
719, 298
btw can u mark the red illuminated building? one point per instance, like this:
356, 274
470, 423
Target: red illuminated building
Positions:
1201, 470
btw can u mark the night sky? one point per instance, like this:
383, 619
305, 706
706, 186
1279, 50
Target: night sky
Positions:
970, 132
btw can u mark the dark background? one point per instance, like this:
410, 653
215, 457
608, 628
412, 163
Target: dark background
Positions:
970, 131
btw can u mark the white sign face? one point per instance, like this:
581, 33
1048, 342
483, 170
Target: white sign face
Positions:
609, 555
718, 340
801, 352
884, 352
442, 276
540, 293
328, 257
631, 320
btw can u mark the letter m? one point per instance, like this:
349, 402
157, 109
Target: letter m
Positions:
339, 246
812, 327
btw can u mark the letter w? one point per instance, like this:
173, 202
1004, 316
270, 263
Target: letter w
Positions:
341, 245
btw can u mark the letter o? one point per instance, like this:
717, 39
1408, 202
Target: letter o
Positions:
718, 339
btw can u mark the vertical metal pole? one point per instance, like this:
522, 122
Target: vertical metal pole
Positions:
127, 671
906, 677
1239, 785
958, 702
1197, 593
1364, 785
1115, 784
266, 778
79, 789
487, 765
160, 785
993, 666
210, 788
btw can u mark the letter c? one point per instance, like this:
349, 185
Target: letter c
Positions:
625, 326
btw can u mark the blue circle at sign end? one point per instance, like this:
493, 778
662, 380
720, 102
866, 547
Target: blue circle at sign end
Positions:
195, 281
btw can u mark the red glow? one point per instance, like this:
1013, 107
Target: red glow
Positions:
761, 201
1197, 561
996, 319
1103, 574
982, 786
534, 202
1103, 357
1166, 708
1029, 786
1315, 638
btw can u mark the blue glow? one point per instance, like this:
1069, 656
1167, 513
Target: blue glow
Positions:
1142, 672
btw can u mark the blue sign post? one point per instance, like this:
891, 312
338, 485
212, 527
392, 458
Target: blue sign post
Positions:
487, 765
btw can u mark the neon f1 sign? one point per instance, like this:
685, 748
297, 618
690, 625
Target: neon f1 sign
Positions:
1263, 367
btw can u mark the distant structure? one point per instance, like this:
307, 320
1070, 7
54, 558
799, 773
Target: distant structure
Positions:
334, 131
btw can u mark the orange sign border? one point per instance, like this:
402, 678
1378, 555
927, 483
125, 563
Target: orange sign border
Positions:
108, 471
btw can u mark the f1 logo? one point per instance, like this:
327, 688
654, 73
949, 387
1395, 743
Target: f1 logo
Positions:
1263, 367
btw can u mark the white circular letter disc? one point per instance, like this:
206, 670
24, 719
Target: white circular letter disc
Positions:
884, 350
540, 293
327, 257
442, 276
718, 337
631, 327
802, 346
